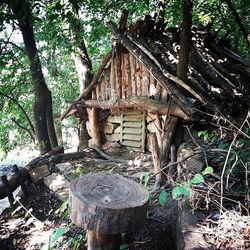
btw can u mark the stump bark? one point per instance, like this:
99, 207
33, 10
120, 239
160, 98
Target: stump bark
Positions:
107, 205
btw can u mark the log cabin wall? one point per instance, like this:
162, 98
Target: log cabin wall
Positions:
124, 77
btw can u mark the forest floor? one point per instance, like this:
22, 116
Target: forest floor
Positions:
42, 221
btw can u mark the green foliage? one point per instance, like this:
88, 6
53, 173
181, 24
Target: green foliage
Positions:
197, 179
63, 210
144, 178
208, 170
79, 171
55, 24
180, 190
56, 235
124, 246
163, 198
76, 242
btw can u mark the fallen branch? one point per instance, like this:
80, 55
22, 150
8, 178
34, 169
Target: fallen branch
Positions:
107, 156
186, 158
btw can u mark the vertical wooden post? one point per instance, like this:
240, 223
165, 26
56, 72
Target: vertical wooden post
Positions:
94, 127
21, 180
8, 190
156, 158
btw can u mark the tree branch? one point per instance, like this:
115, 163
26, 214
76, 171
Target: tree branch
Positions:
21, 108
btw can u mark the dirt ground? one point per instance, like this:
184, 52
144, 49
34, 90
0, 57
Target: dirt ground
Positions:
34, 222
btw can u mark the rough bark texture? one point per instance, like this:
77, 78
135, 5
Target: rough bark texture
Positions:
185, 41
156, 157
42, 95
141, 103
99, 241
107, 203
83, 68
94, 127
154, 70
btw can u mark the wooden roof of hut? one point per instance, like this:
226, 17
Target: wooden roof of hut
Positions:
140, 72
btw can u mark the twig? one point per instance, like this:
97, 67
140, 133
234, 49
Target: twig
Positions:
227, 157
186, 158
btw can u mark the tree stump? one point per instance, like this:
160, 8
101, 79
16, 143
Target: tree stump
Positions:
107, 205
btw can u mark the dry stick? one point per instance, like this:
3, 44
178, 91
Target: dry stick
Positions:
226, 120
227, 157
108, 157
186, 158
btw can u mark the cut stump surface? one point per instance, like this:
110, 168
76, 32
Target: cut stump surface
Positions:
108, 203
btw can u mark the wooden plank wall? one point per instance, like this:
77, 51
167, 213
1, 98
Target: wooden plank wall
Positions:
126, 77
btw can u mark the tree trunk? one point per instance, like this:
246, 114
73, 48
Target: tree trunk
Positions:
238, 20
42, 94
83, 68
185, 41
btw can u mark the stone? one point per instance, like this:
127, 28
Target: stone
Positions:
39, 172
109, 128
55, 182
62, 194
117, 130
64, 167
112, 138
152, 127
114, 119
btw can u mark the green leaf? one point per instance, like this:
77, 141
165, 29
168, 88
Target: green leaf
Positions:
145, 178
124, 246
200, 133
57, 234
198, 178
208, 170
163, 198
205, 137
180, 191
223, 145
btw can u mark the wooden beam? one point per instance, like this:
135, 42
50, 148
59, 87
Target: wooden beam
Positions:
142, 103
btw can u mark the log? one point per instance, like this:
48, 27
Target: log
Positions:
37, 162
94, 127
185, 105
107, 156
167, 138
143, 103
165, 72
156, 158
107, 205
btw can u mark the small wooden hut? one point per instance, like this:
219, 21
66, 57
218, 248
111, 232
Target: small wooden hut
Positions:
137, 84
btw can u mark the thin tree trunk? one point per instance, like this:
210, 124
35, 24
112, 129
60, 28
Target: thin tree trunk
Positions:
83, 68
42, 96
238, 20
185, 41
